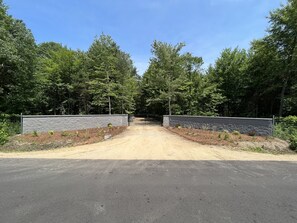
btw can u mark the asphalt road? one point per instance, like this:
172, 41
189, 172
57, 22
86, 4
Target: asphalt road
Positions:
60, 190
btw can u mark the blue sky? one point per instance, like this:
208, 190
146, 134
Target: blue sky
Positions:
206, 26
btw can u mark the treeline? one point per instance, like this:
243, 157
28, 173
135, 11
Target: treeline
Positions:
258, 82
50, 78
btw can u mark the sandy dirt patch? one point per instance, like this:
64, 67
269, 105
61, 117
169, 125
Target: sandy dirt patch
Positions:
149, 141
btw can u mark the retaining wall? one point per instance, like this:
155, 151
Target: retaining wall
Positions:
45, 123
259, 126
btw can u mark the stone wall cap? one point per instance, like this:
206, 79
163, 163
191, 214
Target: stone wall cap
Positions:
219, 117
75, 116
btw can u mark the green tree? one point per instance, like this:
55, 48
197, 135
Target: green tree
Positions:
166, 68
57, 77
282, 34
174, 83
17, 64
264, 67
113, 78
229, 72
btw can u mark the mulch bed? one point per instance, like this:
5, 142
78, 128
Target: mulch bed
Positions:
207, 137
52, 140
235, 140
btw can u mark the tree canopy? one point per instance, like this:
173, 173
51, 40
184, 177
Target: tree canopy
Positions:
50, 78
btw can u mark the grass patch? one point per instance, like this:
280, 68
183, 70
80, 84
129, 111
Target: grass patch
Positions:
256, 149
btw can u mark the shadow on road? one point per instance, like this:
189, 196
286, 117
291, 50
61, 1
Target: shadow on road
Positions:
145, 121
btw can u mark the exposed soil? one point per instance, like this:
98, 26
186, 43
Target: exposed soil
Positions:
234, 140
52, 140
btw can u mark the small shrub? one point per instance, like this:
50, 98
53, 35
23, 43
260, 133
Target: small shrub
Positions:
64, 134
226, 136
51, 133
251, 133
4, 135
220, 136
236, 133
178, 126
109, 125
35, 133
86, 134
287, 130
293, 143
225, 131
290, 120
77, 134
205, 127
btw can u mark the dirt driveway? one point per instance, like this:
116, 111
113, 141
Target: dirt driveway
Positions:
148, 141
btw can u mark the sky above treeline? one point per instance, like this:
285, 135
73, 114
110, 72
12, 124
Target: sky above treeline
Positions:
206, 26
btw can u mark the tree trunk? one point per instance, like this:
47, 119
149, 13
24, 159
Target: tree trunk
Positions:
109, 105
285, 83
169, 105
108, 88
282, 96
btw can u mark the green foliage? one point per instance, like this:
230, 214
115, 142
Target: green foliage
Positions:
64, 134
290, 121
113, 84
286, 129
109, 125
226, 136
17, 64
51, 133
4, 134
229, 73
257, 149
50, 78
175, 84
236, 133
282, 36
178, 126
35, 133
252, 133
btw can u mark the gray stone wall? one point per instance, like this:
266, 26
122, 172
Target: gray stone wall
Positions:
260, 126
45, 123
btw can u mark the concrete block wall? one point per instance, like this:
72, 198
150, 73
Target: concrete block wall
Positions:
261, 126
45, 123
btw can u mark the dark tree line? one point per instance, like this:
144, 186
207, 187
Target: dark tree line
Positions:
50, 78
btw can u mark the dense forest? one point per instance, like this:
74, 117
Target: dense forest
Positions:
50, 78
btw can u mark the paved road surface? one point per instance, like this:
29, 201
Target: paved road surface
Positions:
197, 188
48, 191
